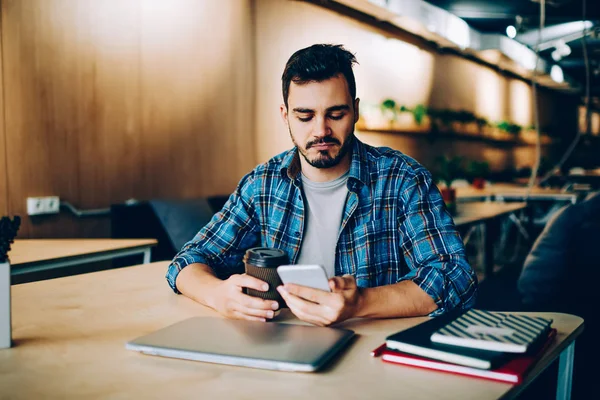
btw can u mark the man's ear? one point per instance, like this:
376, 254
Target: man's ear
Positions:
356, 113
284, 114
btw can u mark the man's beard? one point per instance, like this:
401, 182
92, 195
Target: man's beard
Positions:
323, 159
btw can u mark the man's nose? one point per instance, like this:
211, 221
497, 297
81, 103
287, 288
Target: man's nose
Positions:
322, 127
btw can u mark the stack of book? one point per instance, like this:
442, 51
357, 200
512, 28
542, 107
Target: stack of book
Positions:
491, 345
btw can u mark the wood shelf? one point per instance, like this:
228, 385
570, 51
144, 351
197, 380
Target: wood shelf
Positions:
453, 135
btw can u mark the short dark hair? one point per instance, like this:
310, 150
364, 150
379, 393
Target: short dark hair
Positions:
317, 63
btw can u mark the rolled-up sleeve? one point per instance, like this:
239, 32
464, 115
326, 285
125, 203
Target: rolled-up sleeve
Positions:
433, 248
222, 242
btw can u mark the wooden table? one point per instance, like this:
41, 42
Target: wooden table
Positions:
509, 191
489, 214
479, 212
33, 255
70, 333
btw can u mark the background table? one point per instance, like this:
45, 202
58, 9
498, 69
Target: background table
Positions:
33, 255
509, 191
70, 335
479, 212
489, 214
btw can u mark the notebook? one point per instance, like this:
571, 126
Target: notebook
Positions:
513, 371
265, 345
416, 340
496, 331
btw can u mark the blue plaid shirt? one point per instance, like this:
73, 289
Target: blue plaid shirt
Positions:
395, 226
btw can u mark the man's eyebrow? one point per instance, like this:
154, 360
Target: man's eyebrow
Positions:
303, 110
338, 107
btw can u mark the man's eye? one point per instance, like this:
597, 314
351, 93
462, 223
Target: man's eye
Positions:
304, 119
336, 116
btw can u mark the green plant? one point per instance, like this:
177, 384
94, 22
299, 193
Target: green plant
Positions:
389, 105
481, 122
464, 116
419, 113
478, 169
441, 117
449, 169
509, 127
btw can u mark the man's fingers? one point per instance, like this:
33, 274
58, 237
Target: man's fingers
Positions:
336, 283
307, 293
296, 307
256, 303
339, 283
305, 310
254, 312
239, 315
251, 282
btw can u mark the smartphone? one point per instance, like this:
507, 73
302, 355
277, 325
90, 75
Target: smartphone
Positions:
313, 276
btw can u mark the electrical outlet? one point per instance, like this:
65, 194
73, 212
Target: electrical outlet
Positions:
35, 206
52, 204
43, 205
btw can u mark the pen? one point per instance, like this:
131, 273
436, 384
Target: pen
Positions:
377, 352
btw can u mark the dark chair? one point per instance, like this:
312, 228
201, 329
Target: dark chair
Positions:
171, 222
560, 274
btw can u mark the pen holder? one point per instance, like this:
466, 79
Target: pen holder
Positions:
8, 231
5, 327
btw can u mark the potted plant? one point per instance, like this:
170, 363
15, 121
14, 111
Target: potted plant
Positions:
441, 120
482, 124
478, 172
388, 109
420, 115
464, 122
448, 169
373, 116
508, 130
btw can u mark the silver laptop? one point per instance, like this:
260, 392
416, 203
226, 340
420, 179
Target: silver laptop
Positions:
266, 345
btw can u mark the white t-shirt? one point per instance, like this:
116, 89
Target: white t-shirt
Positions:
324, 205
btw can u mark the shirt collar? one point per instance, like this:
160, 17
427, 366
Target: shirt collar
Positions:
359, 167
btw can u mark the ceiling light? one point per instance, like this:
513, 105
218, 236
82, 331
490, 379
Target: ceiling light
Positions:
556, 73
556, 56
561, 50
511, 31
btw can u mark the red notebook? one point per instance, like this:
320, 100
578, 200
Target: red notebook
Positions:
512, 371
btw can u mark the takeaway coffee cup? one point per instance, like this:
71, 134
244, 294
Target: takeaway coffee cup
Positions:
262, 263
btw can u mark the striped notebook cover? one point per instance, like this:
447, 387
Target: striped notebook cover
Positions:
497, 331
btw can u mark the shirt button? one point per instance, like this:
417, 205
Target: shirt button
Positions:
297, 234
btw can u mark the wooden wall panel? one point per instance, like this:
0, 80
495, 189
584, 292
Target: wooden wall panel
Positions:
197, 96
117, 99
390, 66
3, 172
41, 144
108, 90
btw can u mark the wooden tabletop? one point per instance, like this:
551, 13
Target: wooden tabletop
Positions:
476, 212
24, 251
70, 336
510, 190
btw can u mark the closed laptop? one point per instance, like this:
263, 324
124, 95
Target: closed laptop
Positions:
265, 345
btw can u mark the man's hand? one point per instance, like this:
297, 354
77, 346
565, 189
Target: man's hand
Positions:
229, 300
322, 308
